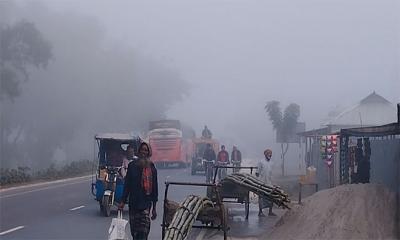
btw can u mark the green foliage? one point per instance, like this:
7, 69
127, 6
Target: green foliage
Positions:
275, 114
285, 125
290, 117
23, 174
19, 175
21, 46
93, 85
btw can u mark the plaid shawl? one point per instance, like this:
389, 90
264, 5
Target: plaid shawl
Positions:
147, 180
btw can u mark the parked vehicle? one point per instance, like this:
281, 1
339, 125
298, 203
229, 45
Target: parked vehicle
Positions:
109, 184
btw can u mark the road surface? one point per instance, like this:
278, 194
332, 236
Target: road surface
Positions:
67, 210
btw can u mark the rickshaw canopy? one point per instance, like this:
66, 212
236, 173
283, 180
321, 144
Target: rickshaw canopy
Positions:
110, 146
118, 137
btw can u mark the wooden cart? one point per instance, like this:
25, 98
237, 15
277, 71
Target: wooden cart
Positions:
232, 193
212, 218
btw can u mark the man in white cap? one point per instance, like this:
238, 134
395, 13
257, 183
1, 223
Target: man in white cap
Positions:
264, 173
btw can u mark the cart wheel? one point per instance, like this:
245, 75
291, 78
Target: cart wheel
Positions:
106, 206
225, 221
247, 208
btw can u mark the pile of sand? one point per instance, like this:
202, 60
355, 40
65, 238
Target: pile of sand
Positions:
356, 211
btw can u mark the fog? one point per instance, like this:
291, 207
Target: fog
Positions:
118, 64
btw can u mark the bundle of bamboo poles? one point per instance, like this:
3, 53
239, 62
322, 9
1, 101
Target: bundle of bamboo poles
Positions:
253, 184
185, 216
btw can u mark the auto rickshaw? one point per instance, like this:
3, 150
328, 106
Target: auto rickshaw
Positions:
109, 184
199, 146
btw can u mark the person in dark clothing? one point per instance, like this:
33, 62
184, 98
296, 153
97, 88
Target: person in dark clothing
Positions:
364, 164
222, 160
359, 155
209, 157
209, 153
141, 188
236, 158
206, 133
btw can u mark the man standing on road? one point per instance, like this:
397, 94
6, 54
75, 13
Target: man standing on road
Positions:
209, 156
206, 133
222, 160
141, 187
264, 173
236, 158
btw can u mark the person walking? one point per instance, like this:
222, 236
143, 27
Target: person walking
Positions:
264, 173
141, 187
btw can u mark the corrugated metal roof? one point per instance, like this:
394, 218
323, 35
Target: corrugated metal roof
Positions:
370, 111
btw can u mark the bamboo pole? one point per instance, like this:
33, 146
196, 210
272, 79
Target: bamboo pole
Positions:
272, 193
185, 216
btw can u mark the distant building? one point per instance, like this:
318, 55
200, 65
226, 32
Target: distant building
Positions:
373, 110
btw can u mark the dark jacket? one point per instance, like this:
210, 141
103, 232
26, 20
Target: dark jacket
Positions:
209, 154
223, 156
236, 156
133, 188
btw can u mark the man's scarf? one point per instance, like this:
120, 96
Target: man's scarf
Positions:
147, 180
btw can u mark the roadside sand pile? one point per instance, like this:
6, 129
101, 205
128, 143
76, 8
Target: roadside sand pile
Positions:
356, 211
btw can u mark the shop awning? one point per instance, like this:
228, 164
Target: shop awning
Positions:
376, 131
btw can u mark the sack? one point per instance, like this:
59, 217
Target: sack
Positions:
117, 228
265, 203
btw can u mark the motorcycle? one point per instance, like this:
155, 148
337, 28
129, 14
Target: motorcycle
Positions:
236, 165
208, 166
222, 172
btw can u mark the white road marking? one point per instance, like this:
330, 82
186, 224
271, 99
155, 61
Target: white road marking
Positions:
76, 208
41, 189
11, 230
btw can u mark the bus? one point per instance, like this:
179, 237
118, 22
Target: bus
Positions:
169, 146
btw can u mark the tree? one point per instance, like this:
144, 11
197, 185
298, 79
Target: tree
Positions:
285, 125
21, 46
92, 86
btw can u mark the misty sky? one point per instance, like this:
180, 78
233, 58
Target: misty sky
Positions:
239, 54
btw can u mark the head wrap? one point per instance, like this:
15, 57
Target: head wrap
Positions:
267, 151
148, 147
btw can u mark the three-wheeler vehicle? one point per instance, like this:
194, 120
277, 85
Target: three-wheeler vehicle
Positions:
199, 146
109, 183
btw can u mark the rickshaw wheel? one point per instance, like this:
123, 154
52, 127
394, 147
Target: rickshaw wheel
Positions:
106, 206
224, 221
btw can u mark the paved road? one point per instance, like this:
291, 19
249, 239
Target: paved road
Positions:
67, 210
